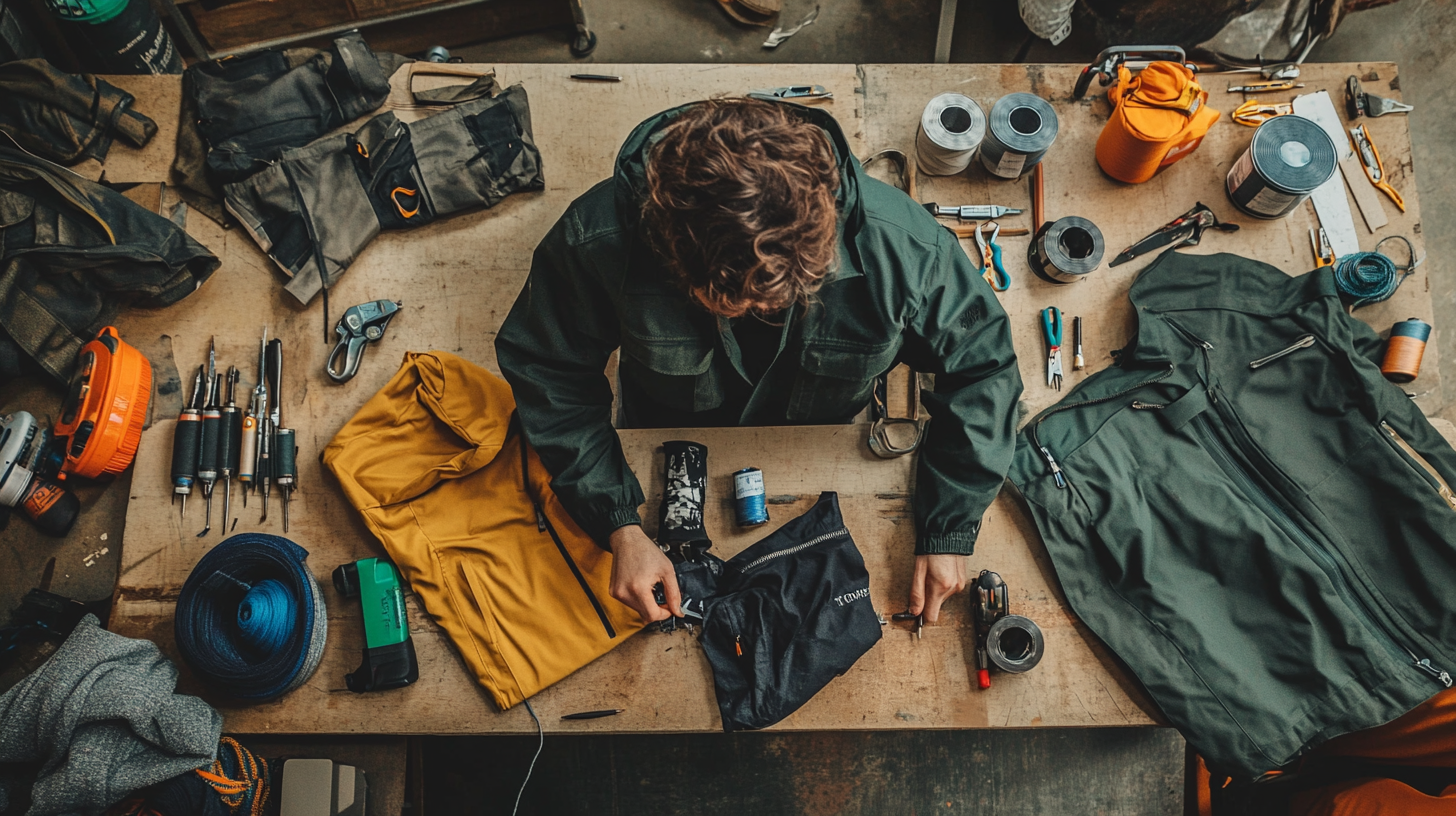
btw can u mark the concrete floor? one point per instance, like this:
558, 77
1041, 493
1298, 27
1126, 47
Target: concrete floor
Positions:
889, 773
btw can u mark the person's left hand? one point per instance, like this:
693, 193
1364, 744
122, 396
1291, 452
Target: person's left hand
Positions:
937, 578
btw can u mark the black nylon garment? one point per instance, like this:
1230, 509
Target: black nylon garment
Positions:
71, 254
66, 117
784, 617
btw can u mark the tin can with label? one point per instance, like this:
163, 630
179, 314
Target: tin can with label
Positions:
750, 505
1288, 158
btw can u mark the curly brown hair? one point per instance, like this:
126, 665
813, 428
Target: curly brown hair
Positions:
740, 205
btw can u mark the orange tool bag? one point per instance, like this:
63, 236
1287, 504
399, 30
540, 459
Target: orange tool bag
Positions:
1158, 117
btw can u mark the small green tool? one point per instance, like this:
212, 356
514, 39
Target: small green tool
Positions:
389, 654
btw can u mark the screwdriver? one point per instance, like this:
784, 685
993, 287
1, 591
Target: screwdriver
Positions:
231, 439
208, 450
185, 443
248, 446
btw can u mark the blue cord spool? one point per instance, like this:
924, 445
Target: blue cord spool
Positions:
750, 500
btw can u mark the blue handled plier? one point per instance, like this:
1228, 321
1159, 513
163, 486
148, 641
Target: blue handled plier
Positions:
991, 268
1051, 326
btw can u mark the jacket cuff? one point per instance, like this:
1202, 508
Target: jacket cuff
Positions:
617, 518
947, 543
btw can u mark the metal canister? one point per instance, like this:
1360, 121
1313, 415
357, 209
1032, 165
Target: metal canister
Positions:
1019, 131
1288, 158
1065, 250
750, 502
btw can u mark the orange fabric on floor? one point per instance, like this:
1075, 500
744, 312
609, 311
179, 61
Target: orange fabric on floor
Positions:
433, 466
1425, 736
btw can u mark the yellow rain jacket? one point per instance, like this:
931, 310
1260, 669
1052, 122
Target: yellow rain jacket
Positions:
435, 463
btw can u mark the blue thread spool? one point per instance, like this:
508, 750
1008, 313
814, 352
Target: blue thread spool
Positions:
749, 498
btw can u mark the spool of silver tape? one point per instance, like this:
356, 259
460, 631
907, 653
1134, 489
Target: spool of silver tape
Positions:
1019, 132
1015, 644
1065, 250
951, 128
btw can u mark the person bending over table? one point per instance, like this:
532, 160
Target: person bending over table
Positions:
752, 274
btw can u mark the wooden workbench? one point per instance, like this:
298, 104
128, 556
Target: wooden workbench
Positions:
457, 279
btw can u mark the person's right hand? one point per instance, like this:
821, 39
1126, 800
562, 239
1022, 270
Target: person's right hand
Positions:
637, 566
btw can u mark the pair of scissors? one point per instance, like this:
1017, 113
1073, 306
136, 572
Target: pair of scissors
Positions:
1051, 326
991, 268
1374, 166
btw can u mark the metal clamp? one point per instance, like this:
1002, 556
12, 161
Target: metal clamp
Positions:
360, 325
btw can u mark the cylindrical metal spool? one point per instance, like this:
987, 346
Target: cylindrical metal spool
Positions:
951, 128
1015, 644
1403, 353
1288, 158
1020, 130
749, 498
1065, 250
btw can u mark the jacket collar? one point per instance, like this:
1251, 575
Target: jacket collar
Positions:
1178, 282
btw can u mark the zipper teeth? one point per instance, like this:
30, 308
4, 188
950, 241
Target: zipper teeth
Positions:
1282, 520
1420, 464
1302, 343
842, 531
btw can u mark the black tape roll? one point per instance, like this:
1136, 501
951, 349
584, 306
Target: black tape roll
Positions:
1065, 250
1015, 644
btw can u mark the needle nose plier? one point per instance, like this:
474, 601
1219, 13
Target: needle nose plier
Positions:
1051, 326
991, 268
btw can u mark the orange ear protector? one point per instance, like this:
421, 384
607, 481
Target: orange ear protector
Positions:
101, 420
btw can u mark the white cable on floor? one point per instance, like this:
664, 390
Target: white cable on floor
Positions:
542, 744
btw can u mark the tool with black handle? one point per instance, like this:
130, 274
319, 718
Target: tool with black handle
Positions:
282, 448
209, 448
263, 473
232, 429
185, 440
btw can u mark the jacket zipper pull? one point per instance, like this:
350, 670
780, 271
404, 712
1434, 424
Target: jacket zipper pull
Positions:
1056, 471
1147, 406
1442, 677
540, 519
1302, 343
738, 647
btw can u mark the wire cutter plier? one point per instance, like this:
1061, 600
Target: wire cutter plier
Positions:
1051, 326
1374, 166
991, 268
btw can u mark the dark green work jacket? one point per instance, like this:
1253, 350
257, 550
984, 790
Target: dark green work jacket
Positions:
903, 290
1250, 515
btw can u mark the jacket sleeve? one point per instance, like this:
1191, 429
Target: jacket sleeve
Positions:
552, 349
960, 333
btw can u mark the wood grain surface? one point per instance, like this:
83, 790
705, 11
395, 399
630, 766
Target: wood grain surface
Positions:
457, 279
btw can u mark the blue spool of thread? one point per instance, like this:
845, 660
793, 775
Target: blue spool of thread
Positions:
1366, 277
250, 619
750, 500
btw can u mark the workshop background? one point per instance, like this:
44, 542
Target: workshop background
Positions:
1086, 770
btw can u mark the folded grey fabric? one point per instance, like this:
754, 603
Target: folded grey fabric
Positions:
102, 719
319, 206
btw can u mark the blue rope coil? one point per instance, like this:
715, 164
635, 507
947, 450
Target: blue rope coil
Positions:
251, 620
1367, 277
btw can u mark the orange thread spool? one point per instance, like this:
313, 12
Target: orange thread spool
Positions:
1403, 354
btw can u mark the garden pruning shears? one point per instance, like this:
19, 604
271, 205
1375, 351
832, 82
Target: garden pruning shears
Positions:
1051, 326
991, 268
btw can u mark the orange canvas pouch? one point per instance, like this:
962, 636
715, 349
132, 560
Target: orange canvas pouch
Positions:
1158, 116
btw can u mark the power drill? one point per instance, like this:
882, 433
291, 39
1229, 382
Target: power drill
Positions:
389, 653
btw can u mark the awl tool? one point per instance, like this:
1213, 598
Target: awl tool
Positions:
185, 443
209, 448
1185, 230
973, 212
232, 427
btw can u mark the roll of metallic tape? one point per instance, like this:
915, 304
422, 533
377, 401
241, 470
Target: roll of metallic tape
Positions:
1019, 132
1288, 158
1065, 250
951, 128
1015, 644
250, 620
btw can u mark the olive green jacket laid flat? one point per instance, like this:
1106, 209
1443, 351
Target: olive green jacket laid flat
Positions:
903, 290
1250, 516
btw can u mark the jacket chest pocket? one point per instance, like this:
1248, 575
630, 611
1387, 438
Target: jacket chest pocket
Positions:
835, 379
677, 373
